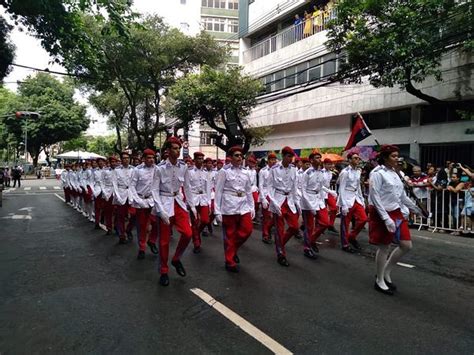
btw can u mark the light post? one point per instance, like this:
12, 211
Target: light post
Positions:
25, 115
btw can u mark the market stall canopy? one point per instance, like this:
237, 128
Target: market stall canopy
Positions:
335, 158
79, 155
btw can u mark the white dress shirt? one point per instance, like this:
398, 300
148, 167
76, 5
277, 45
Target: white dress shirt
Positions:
312, 193
74, 181
349, 188
64, 179
200, 182
96, 178
87, 178
282, 186
233, 191
253, 179
299, 181
168, 186
106, 183
327, 182
263, 175
121, 180
141, 185
387, 193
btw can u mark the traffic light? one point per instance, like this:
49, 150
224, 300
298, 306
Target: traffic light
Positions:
27, 114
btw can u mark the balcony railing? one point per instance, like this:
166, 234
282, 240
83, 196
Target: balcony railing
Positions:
289, 36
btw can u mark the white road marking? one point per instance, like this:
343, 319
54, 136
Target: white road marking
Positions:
42, 187
10, 189
247, 327
17, 216
56, 188
406, 265
62, 199
27, 188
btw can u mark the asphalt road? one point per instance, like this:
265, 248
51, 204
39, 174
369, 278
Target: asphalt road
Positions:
66, 288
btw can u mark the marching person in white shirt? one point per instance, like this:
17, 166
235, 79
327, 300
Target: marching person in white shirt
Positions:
142, 200
107, 194
75, 186
97, 188
330, 196
351, 202
65, 183
234, 206
121, 179
315, 214
284, 202
267, 216
251, 163
211, 175
199, 181
387, 198
87, 195
168, 186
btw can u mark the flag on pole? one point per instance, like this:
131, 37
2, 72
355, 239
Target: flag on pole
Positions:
360, 131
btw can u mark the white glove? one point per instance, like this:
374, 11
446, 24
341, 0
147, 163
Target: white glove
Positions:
417, 210
344, 210
219, 218
194, 212
265, 204
390, 224
333, 193
252, 214
165, 218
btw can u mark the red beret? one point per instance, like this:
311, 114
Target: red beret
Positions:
228, 159
112, 158
287, 150
388, 149
220, 161
174, 140
305, 160
235, 148
271, 156
252, 160
97, 159
297, 159
207, 160
327, 160
198, 154
148, 152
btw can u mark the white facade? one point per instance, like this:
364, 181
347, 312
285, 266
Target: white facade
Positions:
321, 116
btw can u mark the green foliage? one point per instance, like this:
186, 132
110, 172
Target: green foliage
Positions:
101, 145
221, 99
398, 43
7, 49
61, 117
139, 68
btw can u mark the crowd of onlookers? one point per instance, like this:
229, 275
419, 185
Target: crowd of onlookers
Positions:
11, 176
315, 20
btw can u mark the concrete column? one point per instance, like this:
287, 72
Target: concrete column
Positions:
415, 122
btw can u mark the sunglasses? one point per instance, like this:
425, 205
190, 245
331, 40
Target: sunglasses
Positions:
357, 158
237, 155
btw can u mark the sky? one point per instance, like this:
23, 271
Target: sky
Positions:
30, 53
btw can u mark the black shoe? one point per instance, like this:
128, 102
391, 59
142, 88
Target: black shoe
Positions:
129, 236
109, 232
298, 236
196, 250
234, 268
164, 280
332, 229
310, 254
179, 268
390, 285
205, 234
355, 244
379, 289
96, 226
153, 248
282, 261
348, 249
141, 255
123, 241
315, 248
267, 240
236, 259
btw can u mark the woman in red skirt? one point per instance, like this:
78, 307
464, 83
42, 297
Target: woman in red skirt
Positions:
386, 221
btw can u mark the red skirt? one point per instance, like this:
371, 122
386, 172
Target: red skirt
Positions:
378, 233
87, 194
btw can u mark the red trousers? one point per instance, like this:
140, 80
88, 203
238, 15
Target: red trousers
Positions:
67, 195
314, 226
236, 230
98, 205
255, 200
199, 223
180, 221
87, 194
108, 210
143, 221
283, 237
132, 220
358, 212
122, 214
332, 209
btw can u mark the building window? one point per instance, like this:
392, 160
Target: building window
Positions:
233, 26
433, 114
302, 73
279, 80
290, 78
233, 5
216, 4
214, 24
206, 138
388, 119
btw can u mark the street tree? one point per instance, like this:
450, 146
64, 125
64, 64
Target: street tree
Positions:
58, 24
61, 117
222, 99
141, 66
401, 43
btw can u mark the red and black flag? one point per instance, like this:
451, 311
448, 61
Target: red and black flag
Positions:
360, 131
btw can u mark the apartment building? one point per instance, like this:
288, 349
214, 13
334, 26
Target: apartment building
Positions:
305, 112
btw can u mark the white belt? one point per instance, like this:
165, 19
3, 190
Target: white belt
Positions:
314, 192
169, 194
281, 192
350, 189
234, 192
